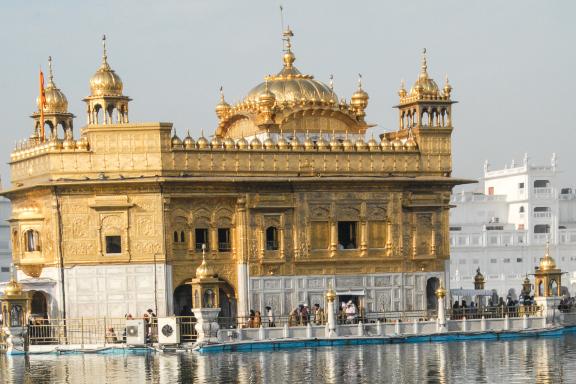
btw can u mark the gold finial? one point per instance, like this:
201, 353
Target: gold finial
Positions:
359, 81
289, 57
221, 93
104, 55
50, 74
424, 71
332, 83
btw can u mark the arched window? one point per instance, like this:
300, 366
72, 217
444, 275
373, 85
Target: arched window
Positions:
521, 210
182, 237
542, 228
541, 183
271, 239
32, 240
175, 236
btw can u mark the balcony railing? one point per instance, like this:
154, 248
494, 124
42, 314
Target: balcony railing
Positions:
543, 215
271, 245
224, 247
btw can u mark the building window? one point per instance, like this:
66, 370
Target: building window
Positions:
224, 243
518, 259
201, 235
347, 235
493, 261
455, 228
475, 261
521, 185
32, 238
506, 260
113, 244
541, 183
271, 239
462, 261
5, 269
490, 191
542, 228
179, 237
521, 210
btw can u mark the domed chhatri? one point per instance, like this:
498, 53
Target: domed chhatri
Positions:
547, 263
424, 85
205, 270
105, 82
55, 100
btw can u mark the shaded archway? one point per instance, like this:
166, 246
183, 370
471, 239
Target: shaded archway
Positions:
432, 285
39, 305
182, 300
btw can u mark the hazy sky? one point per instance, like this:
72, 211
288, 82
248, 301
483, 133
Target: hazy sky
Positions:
511, 63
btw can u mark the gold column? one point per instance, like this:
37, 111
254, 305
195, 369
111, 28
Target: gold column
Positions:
363, 237
213, 236
333, 238
388, 238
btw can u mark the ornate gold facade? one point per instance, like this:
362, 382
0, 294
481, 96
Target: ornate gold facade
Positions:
287, 185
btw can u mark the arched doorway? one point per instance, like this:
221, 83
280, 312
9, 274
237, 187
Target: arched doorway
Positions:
182, 300
39, 305
432, 285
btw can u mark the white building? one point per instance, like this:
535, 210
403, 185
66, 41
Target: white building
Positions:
5, 252
504, 226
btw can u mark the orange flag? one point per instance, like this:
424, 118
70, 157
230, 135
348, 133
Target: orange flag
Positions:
42, 104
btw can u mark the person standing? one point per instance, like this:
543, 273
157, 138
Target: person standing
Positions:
270, 316
319, 315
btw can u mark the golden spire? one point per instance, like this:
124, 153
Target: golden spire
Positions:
447, 86
402, 90
50, 74
424, 68
331, 84
104, 54
289, 57
222, 108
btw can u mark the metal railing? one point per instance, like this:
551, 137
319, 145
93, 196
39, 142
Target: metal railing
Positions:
497, 312
97, 331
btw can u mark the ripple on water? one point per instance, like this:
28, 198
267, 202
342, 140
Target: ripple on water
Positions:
542, 360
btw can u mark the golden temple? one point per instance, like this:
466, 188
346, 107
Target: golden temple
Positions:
287, 196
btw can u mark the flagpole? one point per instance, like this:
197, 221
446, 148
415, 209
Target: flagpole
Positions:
42, 104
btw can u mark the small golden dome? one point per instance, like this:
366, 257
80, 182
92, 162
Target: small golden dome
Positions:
295, 143
447, 87
175, 141
203, 142
216, 143
205, 270
424, 85
359, 99
283, 144
397, 144
335, 144
441, 292
330, 295
229, 143
308, 143
255, 143
222, 108
82, 144
105, 82
547, 263
243, 144
69, 144
385, 144
322, 144
361, 145
347, 144
479, 278
266, 99
55, 101
269, 144
373, 144
13, 288
402, 90
189, 142
411, 144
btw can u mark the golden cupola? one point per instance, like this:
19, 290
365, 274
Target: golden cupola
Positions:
105, 82
55, 100
359, 100
106, 103
424, 86
292, 101
52, 113
222, 108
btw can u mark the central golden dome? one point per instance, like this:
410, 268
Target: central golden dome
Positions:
289, 85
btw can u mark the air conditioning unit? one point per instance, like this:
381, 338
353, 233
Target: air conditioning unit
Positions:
168, 330
136, 332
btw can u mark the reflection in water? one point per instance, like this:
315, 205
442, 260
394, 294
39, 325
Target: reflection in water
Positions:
541, 360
